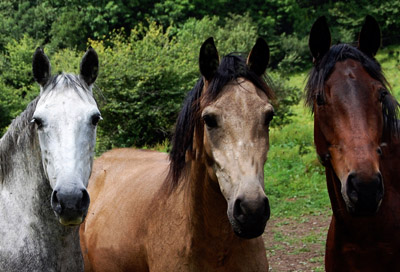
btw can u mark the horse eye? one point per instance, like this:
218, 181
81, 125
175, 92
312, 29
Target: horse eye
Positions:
268, 117
382, 94
324, 158
95, 119
379, 151
38, 122
210, 120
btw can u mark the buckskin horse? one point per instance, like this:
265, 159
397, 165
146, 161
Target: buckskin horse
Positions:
356, 138
205, 209
46, 158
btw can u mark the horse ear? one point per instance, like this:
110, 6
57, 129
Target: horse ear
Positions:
89, 67
41, 67
258, 59
320, 38
208, 59
370, 37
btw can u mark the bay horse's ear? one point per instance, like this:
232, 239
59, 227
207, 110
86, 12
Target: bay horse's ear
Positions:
89, 67
320, 38
370, 37
41, 67
258, 59
208, 59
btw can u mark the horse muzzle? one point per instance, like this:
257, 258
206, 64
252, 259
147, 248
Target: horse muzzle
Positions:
249, 217
70, 207
363, 194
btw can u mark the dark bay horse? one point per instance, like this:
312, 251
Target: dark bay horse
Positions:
356, 137
46, 160
203, 208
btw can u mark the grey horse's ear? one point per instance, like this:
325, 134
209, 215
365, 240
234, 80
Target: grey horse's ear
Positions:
208, 59
41, 67
370, 37
320, 38
89, 67
258, 59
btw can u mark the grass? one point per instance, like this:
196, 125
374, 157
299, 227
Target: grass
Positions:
390, 61
294, 179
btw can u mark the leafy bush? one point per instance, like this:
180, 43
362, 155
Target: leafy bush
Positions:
287, 96
295, 54
144, 77
17, 86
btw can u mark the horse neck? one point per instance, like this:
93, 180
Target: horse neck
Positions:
207, 213
24, 187
21, 162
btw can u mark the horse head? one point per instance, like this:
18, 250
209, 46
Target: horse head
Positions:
352, 110
235, 114
66, 117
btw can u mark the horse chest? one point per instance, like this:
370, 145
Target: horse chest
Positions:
373, 248
353, 257
31, 238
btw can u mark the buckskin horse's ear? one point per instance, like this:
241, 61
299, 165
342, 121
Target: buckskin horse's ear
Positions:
370, 37
208, 59
41, 67
89, 67
320, 38
258, 59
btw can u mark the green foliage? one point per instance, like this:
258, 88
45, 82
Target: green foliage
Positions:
19, 18
390, 61
294, 179
293, 53
17, 87
349, 15
141, 103
68, 30
149, 51
286, 97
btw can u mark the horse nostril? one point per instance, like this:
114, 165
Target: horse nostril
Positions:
238, 211
352, 187
251, 210
267, 210
55, 203
85, 199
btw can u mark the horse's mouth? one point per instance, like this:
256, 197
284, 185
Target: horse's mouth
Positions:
248, 230
71, 222
362, 209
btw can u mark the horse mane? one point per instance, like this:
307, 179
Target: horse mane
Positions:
323, 68
189, 120
22, 130
69, 81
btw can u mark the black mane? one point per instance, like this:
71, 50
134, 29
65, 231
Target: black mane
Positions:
323, 68
231, 68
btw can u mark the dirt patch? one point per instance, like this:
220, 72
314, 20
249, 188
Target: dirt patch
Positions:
296, 244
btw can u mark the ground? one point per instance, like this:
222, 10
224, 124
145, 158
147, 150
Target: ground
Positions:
296, 244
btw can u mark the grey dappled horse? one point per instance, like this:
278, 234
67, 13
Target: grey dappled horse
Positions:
46, 160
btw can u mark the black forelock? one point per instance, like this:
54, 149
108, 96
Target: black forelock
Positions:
323, 69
